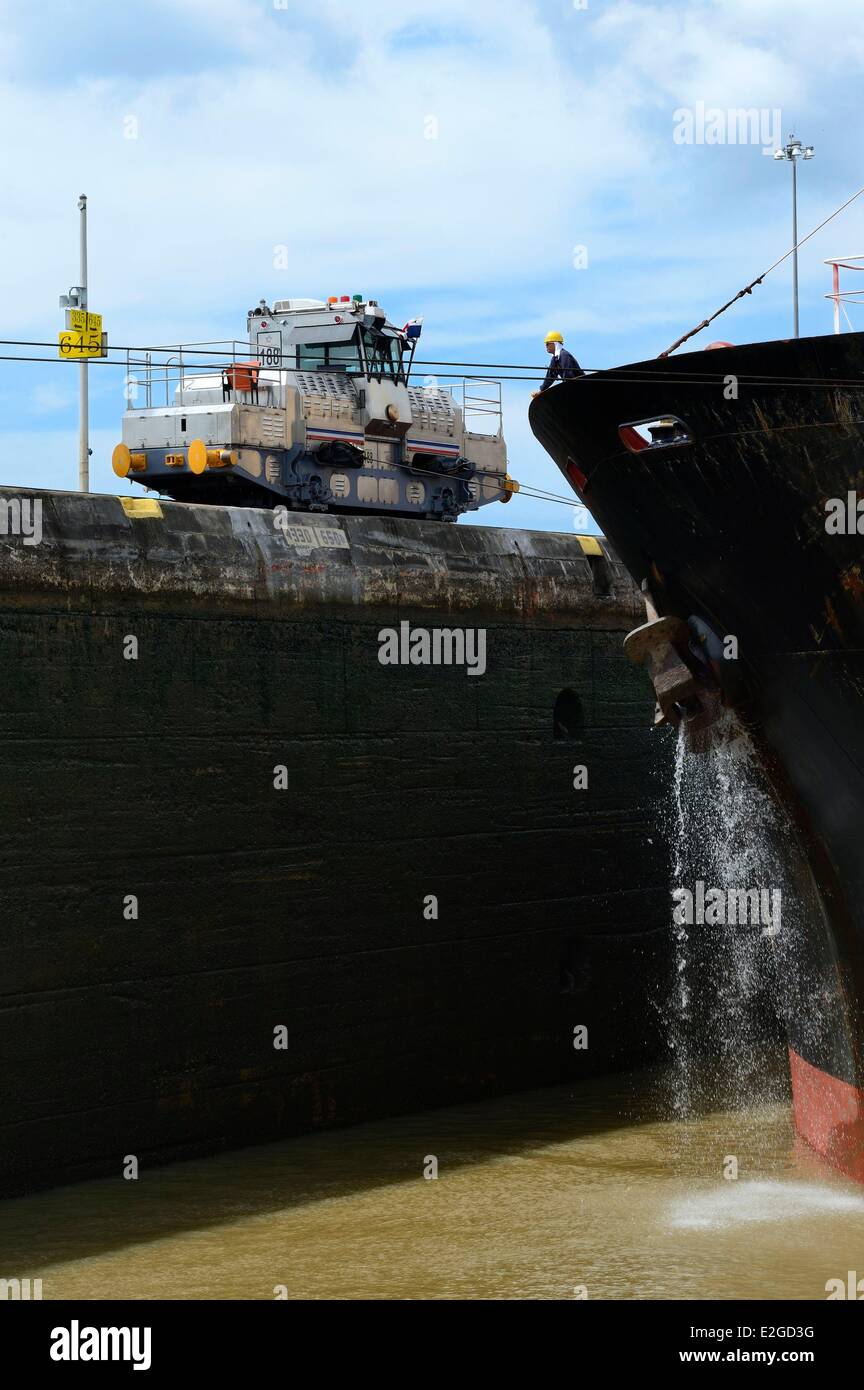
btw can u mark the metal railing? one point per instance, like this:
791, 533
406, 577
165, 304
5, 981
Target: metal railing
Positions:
163, 376
481, 409
847, 296
164, 373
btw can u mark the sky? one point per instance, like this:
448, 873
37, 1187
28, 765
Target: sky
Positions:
502, 168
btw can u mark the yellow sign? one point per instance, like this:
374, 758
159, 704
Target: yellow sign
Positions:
83, 322
75, 345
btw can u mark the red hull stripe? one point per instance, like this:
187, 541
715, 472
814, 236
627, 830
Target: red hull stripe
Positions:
576, 476
829, 1114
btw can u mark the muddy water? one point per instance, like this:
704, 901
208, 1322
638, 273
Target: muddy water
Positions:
635, 1187
536, 1195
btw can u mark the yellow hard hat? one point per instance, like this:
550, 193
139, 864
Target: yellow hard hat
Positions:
554, 337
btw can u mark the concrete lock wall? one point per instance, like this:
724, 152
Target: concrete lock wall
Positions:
152, 777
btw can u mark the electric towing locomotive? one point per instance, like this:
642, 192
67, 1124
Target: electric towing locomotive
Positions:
315, 413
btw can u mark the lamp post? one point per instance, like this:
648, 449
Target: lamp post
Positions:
77, 299
792, 151
84, 413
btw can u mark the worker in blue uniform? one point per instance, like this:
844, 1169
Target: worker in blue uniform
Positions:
563, 365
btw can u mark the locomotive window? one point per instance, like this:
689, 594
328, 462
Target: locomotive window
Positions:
311, 355
343, 357
334, 357
383, 354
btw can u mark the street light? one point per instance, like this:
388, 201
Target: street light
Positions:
77, 299
793, 150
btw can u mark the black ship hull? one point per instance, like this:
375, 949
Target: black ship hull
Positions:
725, 519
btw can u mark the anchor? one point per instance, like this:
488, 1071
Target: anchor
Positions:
683, 696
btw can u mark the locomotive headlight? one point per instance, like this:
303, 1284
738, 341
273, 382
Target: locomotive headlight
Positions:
392, 412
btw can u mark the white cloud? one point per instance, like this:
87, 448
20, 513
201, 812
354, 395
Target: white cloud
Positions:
327, 160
